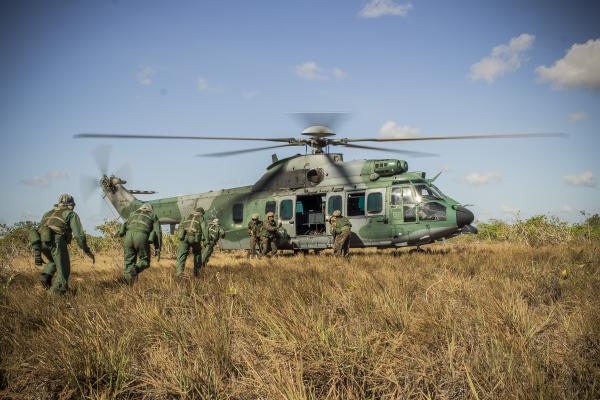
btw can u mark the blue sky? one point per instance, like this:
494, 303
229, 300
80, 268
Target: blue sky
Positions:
239, 68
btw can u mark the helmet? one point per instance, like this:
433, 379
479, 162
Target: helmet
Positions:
270, 214
66, 199
199, 210
255, 216
215, 221
146, 207
336, 213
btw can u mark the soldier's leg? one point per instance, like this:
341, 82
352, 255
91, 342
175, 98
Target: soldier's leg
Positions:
273, 243
252, 249
49, 268
182, 253
264, 245
206, 253
346, 246
197, 257
143, 251
130, 258
337, 245
60, 254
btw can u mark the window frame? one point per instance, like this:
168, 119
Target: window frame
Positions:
356, 194
291, 210
237, 209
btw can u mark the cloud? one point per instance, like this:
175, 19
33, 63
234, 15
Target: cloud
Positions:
586, 179
576, 116
381, 8
391, 128
43, 181
311, 71
505, 58
250, 94
202, 84
580, 67
145, 75
478, 179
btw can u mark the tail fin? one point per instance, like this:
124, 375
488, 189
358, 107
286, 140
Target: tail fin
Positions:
121, 199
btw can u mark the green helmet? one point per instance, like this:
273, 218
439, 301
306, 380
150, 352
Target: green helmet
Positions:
66, 200
199, 210
336, 213
215, 221
146, 207
255, 216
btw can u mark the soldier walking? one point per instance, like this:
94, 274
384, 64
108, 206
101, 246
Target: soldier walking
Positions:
268, 236
140, 229
56, 230
215, 233
193, 232
341, 229
254, 232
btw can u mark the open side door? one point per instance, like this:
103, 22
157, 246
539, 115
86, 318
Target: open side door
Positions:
287, 214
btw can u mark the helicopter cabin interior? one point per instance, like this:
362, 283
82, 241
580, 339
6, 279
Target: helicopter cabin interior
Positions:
310, 215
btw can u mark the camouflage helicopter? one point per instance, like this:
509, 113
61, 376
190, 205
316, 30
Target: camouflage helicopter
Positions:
388, 205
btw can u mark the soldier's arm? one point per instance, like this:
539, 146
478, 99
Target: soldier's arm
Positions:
79, 235
122, 229
157, 234
204, 230
221, 232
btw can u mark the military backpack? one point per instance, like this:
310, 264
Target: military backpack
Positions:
140, 222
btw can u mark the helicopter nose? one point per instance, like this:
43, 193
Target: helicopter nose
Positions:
463, 216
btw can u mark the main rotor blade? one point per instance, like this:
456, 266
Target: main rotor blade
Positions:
235, 152
331, 120
88, 185
127, 136
340, 169
458, 137
102, 156
406, 152
124, 172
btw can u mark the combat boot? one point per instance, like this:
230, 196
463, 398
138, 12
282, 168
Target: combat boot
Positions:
46, 280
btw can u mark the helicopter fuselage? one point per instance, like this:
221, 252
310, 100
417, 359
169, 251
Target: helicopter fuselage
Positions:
387, 205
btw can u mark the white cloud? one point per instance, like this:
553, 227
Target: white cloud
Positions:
339, 73
391, 128
250, 94
310, 71
586, 179
43, 181
504, 58
380, 8
576, 116
482, 178
580, 67
202, 84
146, 75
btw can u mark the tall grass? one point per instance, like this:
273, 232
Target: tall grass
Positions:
471, 320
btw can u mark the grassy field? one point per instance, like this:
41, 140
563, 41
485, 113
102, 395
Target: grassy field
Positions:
471, 320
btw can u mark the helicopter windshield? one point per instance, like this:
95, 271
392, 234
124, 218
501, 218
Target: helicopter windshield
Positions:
428, 192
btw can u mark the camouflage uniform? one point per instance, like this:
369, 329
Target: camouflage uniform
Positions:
254, 232
140, 229
57, 228
193, 232
215, 232
268, 236
341, 229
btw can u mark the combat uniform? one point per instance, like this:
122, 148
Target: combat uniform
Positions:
254, 232
57, 228
341, 229
268, 236
141, 228
193, 231
215, 233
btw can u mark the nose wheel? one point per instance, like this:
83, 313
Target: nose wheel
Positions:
419, 250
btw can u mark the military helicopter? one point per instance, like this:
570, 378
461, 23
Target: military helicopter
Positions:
388, 205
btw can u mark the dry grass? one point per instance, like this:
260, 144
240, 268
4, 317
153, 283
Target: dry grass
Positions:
482, 321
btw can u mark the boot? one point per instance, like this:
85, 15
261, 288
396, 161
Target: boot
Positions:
46, 280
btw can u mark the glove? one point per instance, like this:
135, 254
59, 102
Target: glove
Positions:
157, 254
38, 260
92, 256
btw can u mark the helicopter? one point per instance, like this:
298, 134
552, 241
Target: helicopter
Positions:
388, 205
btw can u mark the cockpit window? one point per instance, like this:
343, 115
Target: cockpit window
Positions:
427, 192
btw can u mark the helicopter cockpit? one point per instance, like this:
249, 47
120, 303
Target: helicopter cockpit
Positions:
419, 199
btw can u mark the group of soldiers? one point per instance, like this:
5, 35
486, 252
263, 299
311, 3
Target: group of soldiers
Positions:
61, 225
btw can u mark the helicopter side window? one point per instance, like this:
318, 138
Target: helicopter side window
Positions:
374, 203
426, 192
286, 211
335, 203
396, 196
238, 213
410, 208
432, 212
270, 207
356, 204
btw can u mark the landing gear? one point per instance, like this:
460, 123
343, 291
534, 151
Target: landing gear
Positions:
419, 250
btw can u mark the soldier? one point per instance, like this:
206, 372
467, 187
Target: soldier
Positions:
193, 233
57, 228
140, 229
341, 228
215, 233
268, 236
254, 232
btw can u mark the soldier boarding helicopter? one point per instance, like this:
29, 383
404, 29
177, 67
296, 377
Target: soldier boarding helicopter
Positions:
388, 205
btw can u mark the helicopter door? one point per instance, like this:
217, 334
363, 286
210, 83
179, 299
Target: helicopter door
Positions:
335, 201
287, 214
